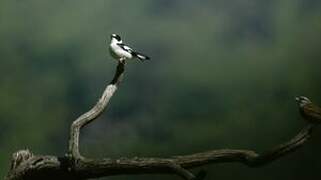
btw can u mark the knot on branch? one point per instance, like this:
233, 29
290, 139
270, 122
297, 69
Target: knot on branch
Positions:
19, 157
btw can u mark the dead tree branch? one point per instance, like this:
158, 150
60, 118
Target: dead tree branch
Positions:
91, 115
27, 166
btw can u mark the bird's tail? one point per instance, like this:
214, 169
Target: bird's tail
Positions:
141, 56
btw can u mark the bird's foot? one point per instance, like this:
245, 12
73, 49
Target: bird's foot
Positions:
122, 60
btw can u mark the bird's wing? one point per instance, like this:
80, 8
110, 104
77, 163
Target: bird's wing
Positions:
125, 47
313, 111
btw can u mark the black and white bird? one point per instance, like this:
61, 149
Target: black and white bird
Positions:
308, 110
122, 52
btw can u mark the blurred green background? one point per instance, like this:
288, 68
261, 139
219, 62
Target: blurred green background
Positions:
223, 74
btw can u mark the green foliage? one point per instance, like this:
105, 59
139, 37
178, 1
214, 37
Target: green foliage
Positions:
223, 74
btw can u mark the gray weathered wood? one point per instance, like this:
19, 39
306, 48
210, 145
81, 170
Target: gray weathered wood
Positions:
27, 166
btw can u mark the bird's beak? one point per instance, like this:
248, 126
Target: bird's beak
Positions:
297, 98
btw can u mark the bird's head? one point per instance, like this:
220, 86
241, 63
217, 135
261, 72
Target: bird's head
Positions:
115, 37
302, 100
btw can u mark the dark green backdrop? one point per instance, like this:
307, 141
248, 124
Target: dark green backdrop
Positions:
223, 74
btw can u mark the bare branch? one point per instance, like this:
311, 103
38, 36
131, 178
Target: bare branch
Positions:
97, 110
25, 165
179, 170
89, 168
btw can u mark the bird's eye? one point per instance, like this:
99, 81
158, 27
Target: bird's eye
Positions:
116, 37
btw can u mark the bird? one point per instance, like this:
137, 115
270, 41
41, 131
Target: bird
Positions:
122, 52
308, 110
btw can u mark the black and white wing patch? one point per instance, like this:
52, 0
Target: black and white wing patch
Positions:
126, 48
138, 55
